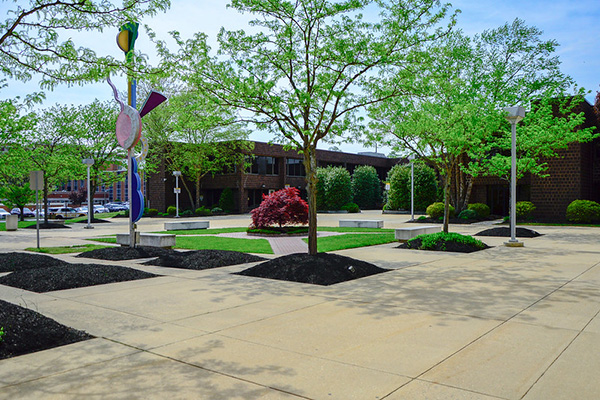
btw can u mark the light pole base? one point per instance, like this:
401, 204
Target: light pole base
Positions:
516, 243
88, 227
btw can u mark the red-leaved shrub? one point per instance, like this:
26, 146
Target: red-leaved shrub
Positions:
283, 207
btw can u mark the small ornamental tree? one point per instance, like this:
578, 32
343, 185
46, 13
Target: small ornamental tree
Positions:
226, 201
283, 207
78, 196
366, 187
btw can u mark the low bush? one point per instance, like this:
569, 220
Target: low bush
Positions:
468, 214
283, 207
2, 333
445, 242
290, 230
150, 212
436, 210
351, 208
583, 211
482, 210
171, 210
202, 211
216, 210
524, 209
187, 213
163, 214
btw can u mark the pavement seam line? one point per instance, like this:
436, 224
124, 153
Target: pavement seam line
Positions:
442, 384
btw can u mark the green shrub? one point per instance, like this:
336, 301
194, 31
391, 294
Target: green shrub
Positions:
524, 209
422, 217
171, 210
151, 212
338, 188
438, 241
163, 214
467, 214
226, 201
320, 188
426, 187
351, 208
2, 333
583, 211
482, 210
202, 211
216, 210
186, 213
436, 210
366, 187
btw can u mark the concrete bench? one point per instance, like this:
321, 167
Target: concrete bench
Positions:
404, 234
166, 241
353, 223
186, 225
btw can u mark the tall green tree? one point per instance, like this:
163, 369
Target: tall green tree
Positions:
311, 67
457, 123
34, 38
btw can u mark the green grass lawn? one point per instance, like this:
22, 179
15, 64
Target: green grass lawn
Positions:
224, 243
21, 225
213, 243
350, 241
66, 249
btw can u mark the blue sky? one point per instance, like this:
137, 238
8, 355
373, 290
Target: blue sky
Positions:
572, 23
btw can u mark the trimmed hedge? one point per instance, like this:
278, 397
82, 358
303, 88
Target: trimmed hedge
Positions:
524, 209
171, 210
334, 188
351, 208
226, 201
426, 187
436, 210
482, 210
366, 187
468, 214
583, 211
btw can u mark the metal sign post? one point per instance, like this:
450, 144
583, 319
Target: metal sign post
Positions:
36, 182
89, 162
177, 190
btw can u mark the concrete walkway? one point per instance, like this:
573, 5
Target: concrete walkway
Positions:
503, 323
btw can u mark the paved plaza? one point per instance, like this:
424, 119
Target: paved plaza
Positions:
503, 323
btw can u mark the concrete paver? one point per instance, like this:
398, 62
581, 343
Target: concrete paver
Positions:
498, 324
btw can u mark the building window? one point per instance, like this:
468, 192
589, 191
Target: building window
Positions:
294, 167
263, 165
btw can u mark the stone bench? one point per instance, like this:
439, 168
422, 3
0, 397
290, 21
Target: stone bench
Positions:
407, 233
354, 223
166, 241
186, 225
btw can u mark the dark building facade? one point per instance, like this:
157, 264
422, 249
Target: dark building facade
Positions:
272, 168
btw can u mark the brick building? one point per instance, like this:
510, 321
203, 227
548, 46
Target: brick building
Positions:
272, 168
574, 175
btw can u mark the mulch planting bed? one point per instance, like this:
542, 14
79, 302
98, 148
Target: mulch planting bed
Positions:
319, 269
504, 231
94, 221
203, 259
457, 221
27, 331
119, 253
454, 247
38, 273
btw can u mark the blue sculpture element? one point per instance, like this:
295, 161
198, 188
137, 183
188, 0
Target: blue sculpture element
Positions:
137, 197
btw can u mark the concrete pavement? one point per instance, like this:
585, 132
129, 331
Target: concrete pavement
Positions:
504, 323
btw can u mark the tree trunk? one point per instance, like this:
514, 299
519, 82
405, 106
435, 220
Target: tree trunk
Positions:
197, 192
310, 166
187, 189
45, 201
447, 201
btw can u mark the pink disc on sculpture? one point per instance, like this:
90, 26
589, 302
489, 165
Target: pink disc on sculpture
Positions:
129, 127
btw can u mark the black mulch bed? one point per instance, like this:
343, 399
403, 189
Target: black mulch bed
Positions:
203, 259
451, 246
504, 231
119, 253
69, 276
320, 269
94, 221
27, 331
49, 225
22, 261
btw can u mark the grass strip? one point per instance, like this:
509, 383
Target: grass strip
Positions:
66, 249
351, 241
261, 246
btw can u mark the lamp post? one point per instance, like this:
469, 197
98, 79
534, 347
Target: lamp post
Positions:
177, 190
515, 114
89, 162
412, 186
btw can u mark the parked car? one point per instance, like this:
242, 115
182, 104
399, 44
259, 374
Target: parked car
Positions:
26, 212
114, 207
64, 213
99, 209
3, 213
